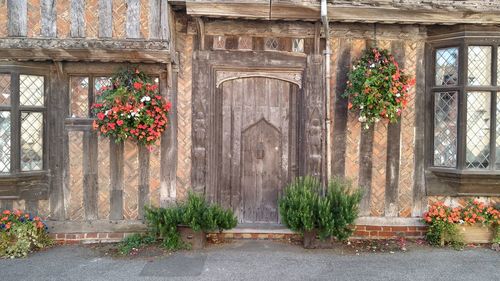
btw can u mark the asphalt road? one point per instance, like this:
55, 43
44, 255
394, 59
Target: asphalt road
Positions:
257, 260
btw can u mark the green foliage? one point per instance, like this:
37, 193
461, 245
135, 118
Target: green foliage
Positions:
195, 213
441, 233
377, 87
303, 208
135, 241
344, 202
21, 234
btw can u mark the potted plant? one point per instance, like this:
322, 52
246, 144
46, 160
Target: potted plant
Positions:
184, 225
474, 223
21, 233
303, 210
479, 221
344, 203
317, 217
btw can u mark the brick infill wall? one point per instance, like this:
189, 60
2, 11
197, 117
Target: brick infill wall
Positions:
360, 232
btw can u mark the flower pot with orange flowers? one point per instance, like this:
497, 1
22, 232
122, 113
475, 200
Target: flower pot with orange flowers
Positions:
479, 222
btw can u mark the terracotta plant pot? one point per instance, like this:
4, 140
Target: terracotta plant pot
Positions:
476, 233
196, 239
312, 241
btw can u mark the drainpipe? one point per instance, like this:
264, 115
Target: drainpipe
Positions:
327, 53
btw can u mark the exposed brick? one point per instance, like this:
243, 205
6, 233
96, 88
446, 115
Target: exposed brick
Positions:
372, 227
115, 235
246, 236
399, 228
359, 233
386, 234
91, 235
102, 235
360, 227
60, 236
70, 236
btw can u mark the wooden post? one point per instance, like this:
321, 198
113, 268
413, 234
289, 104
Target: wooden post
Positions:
340, 112
105, 18
169, 141
58, 104
90, 174
49, 17
133, 22
18, 17
78, 18
143, 198
116, 172
394, 148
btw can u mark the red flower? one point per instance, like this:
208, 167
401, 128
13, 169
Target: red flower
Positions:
137, 85
119, 122
100, 115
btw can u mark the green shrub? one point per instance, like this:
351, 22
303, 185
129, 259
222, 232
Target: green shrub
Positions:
344, 201
21, 234
135, 241
195, 213
303, 209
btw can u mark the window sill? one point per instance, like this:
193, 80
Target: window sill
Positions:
25, 185
442, 181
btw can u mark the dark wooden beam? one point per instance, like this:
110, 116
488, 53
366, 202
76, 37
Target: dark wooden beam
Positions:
394, 148
340, 108
342, 13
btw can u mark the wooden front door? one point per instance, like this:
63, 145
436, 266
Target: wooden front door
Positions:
259, 146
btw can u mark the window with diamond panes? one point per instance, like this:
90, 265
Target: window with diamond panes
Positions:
479, 65
445, 129
447, 66
22, 121
79, 96
473, 143
478, 130
84, 90
298, 45
272, 44
497, 141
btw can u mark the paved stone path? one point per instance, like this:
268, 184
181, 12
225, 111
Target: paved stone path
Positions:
257, 260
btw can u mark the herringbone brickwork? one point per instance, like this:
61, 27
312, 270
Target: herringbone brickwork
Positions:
92, 18
34, 22
407, 163
73, 195
119, 18
63, 18
184, 114
353, 126
3, 18
103, 181
131, 181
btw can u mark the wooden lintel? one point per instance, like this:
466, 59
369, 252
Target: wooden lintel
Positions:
336, 13
97, 55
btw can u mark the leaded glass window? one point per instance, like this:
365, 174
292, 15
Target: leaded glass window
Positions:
84, 90
445, 129
466, 114
22, 122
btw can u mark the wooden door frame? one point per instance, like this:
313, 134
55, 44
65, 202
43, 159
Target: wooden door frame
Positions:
206, 149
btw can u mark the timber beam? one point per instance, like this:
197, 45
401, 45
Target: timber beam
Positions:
339, 13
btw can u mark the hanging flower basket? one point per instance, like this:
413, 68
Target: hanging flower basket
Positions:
377, 87
131, 109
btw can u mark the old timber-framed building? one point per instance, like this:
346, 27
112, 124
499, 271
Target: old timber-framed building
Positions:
256, 87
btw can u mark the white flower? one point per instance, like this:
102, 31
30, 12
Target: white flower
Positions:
361, 107
133, 113
398, 95
145, 98
362, 118
372, 65
376, 120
